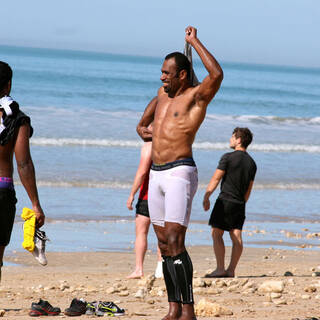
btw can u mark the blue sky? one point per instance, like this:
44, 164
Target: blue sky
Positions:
282, 32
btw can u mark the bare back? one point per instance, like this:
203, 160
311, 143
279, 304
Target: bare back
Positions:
176, 122
6, 159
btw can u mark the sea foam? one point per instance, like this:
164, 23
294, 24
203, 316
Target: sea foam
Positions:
205, 145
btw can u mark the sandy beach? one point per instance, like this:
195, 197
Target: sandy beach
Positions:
102, 276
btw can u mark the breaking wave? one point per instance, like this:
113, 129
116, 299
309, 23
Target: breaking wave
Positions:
107, 143
128, 184
265, 119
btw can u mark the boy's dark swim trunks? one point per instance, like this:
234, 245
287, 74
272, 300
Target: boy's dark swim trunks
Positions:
227, 215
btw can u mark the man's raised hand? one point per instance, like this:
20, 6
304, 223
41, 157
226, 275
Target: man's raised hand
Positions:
191, 34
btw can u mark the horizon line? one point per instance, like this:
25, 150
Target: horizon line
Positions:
195, 59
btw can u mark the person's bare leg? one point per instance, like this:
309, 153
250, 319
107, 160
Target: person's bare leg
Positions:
141, 244
237, 248
219, 251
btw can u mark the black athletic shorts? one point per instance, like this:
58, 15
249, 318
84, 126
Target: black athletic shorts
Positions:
142, 208
7, 213
227, 215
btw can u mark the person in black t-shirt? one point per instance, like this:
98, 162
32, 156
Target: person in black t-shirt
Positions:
237, 171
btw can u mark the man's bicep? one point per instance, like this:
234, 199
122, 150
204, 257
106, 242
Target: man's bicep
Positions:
146, 119
148, 114
219, 174
207, 90
22, 149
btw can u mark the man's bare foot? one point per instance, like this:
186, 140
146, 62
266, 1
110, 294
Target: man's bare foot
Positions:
230, 274
135, 275
183, 317
174, 311
187, 312
168, 317
216, 274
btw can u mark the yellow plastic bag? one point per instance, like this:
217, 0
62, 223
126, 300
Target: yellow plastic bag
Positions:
28, 228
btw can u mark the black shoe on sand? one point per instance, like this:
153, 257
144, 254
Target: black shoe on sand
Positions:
77, 308
43, 308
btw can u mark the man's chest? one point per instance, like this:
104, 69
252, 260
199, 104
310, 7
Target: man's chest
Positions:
172, 108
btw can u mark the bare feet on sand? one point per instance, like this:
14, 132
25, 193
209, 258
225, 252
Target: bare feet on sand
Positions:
187, 312
217, 274
229, 274
135, 275
174, 311
178, 313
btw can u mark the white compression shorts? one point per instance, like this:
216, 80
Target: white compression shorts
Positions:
172, 187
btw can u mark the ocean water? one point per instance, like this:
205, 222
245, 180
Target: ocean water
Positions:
85, 107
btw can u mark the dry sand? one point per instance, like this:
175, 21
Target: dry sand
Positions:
92, 275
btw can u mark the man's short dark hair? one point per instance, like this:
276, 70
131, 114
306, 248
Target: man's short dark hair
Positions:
5, 74
244, 134
182, 62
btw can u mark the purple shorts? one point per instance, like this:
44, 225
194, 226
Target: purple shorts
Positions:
6, 183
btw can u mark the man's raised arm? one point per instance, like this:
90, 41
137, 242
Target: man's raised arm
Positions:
146, 119
211, 84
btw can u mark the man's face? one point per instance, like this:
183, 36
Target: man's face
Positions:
169, 76
234, 141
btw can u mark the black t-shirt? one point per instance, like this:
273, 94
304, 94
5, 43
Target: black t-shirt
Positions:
239, 169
